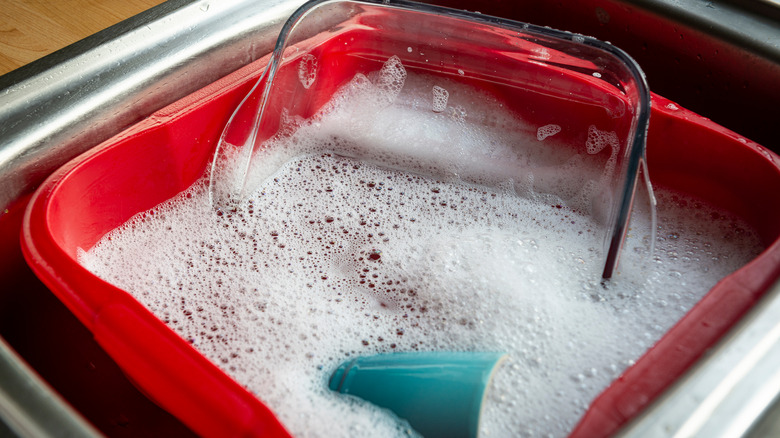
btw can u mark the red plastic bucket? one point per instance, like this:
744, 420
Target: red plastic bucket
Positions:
164, 154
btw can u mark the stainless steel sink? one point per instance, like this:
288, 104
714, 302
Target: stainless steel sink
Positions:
718, 58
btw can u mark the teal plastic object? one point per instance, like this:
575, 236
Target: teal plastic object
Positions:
440, 394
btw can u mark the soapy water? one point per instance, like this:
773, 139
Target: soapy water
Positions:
333, 257
467, 135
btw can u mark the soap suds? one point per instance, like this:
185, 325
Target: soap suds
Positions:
344, 250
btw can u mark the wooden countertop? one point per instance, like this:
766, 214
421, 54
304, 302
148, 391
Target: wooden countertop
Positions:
31, 29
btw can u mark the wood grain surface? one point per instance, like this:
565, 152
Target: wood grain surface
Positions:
30, 29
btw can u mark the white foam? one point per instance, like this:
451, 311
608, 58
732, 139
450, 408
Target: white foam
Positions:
440, 97
334, 257
547, 131
598, 140
307, 70
390, 79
